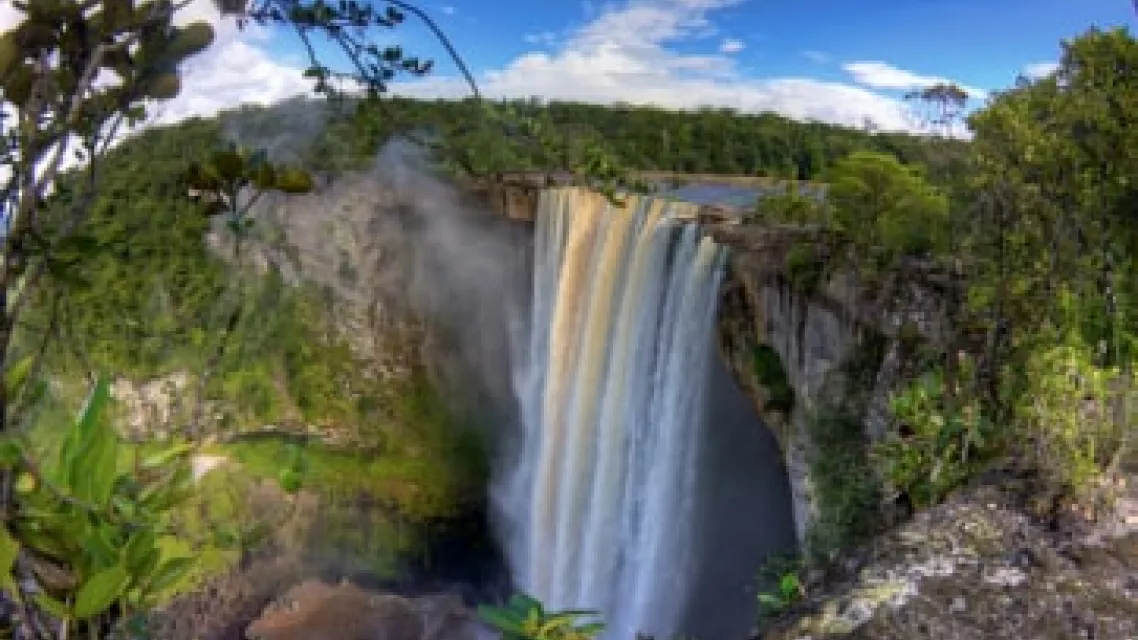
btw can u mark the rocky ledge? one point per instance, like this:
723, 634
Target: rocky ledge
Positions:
982, 566
316, 610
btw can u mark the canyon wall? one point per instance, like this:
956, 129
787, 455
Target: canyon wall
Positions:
814, 327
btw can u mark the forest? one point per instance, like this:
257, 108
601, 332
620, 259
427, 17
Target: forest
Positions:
107, 273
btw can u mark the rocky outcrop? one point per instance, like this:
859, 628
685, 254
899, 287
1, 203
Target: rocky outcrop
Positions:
315, 610
815, 328
978, 566
413, 270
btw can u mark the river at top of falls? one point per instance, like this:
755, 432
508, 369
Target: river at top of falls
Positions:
601, 503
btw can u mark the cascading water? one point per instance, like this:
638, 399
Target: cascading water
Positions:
601, 501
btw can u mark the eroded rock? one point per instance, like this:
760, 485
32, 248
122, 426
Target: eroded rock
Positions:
979, 567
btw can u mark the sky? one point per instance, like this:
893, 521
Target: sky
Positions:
839, 61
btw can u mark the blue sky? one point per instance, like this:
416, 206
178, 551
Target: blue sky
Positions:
841, 61
982, 43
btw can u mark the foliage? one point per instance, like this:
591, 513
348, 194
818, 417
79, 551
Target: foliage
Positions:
805, 267
524, 618
847, 491
1054, 249
770, 374
93, 533
877, 201
936, 443
792, 207
1073, 414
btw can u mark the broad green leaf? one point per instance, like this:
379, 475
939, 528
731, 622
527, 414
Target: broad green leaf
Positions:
137, 550
169, 574
93, 407
501, 619
100, 591
93, 473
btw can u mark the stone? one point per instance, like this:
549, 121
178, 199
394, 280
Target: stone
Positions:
318, 611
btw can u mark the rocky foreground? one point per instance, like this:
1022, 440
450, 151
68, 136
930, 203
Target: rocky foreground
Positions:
983, 565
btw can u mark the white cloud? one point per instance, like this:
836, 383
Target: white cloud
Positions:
625, 54
1038, 70
447, 10
731, 45
234, 70
882, 75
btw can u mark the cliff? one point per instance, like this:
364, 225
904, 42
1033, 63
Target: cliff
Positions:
790, 329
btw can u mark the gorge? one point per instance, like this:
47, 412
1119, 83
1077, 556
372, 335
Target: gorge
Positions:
642, 469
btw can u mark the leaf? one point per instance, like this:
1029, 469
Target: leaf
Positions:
161, 458
52, 606
294, 181
100, 592
140, 553
169, 573
17, 373
11, 453
93, 407
9, 549
93, 473
501, 619
228, 165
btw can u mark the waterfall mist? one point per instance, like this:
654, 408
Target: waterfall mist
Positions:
630, 475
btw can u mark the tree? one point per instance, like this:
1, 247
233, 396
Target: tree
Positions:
79, 540
878, 200
943, 104
1053, 274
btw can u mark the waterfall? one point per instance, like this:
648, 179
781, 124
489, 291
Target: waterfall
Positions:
600, 503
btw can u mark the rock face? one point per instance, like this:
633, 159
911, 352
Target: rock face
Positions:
978, 567
318, 611
412, 270
815, 329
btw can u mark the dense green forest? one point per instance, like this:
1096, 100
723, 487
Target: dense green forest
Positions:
478, 139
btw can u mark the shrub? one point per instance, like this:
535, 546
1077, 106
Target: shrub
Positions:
934, 444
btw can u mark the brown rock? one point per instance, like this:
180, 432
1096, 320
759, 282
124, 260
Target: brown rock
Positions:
319, 611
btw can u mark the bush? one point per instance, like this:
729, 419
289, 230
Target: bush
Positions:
804, 268
1072, 414
935, 444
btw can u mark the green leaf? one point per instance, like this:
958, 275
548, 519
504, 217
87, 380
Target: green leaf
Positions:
11, 453
160, 459
294, 181
501, 619
9, 549
141, 554
169, 573
93, 474
93, 407
52, 606
100, 592
17, 373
